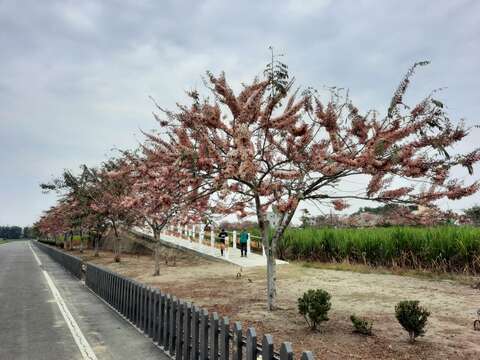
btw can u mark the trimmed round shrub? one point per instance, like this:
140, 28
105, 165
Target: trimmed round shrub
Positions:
412, 317
361, 326
314, 306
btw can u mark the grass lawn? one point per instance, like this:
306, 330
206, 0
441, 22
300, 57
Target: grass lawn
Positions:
3, 241
372, 294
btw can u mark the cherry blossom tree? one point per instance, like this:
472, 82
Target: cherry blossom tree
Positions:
271, 147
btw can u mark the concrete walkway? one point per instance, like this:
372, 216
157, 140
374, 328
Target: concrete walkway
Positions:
33, 324
232, 255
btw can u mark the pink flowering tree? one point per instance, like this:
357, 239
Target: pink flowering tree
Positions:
53, 223
81, 204
110, 185
271, 147
162, 192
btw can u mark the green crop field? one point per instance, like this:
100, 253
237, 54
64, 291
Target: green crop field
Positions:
444, 248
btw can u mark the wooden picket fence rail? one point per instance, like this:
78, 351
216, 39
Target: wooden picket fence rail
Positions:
69, 262
183, 330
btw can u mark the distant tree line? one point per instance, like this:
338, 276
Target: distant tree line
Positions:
15, 232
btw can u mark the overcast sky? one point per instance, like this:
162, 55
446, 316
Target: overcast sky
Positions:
75, 76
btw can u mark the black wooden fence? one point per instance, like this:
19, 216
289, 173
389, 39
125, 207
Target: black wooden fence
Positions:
69, 262
183, 330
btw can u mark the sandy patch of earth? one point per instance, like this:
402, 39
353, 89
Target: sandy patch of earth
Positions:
215, 286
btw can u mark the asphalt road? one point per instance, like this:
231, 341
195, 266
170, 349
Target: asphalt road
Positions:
33, 326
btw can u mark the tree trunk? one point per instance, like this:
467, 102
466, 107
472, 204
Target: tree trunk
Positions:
271, 279
97, 240
116, 244
156, 236
271, 250
81, 241
271, 264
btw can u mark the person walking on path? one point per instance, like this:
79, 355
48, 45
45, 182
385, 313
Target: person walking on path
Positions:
243, 242
222, 236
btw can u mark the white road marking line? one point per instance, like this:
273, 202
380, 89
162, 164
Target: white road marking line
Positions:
82, 343
35, 255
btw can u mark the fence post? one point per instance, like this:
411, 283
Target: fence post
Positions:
224, 338
156, 315
131, 301
213, 336
118, 292
143, 303
110, 288
100, 284
212, 237
286, 351
173, 321
204, 335
179, 332
122, 295
125, 297
128, 302
187, 324
249, 246
113, 288
194, 354
116, 289
151, 312
234, 238
139, 304
160, 316
106, 293
166, 322
237, 341
267, 347
105, 286
251, 352
145, 309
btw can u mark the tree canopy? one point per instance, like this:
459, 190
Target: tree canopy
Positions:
268, 148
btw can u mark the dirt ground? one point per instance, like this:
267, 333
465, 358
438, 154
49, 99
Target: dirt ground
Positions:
215, 286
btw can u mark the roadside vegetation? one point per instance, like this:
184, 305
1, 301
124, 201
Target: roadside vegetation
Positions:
263, 153
15, 232
370, 297
443, 248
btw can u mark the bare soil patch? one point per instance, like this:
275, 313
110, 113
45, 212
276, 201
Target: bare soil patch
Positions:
215, 286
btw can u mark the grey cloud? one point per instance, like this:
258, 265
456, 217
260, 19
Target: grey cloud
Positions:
75, 76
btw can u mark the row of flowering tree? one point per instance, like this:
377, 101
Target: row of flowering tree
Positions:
271, 147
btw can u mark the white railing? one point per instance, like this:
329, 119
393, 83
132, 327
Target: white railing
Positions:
197, 233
